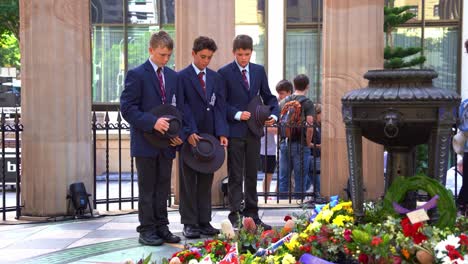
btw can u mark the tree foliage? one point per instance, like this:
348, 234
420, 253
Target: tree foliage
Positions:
9, 51
395, 56
9, 33
9, 17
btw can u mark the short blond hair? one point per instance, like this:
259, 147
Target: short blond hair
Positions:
162, 40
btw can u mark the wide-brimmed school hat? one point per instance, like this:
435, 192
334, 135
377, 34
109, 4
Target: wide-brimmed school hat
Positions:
156, 138
259, 113
207, 157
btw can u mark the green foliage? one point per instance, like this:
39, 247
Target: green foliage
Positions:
9, 17
445, 205
394, 16
395, 56
9, 51
374, 212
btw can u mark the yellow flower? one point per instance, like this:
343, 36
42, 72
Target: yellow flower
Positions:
288, 259
313, 227
293, 243
348, 204
339, 220
270, 259
326, 215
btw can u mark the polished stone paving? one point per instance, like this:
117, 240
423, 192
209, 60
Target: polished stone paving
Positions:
109, 239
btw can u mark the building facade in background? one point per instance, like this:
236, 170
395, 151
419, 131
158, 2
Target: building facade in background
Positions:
121, 30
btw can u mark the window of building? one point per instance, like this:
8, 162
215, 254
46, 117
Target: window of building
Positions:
435, 11
303, 41
436, 29
121, 30
250, 20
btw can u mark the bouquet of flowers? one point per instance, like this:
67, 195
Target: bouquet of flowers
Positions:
454, 249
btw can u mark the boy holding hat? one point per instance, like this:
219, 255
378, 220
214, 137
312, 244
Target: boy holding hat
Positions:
203, 153
244, 82
148, 103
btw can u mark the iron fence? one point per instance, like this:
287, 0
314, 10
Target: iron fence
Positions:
118, 187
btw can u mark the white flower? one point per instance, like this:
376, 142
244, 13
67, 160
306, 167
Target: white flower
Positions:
193, 261
227, 229
440, 248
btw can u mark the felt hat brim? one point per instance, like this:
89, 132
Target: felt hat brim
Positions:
155, 138
254, 125
204, 166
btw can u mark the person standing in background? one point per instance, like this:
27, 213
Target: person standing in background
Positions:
284, 88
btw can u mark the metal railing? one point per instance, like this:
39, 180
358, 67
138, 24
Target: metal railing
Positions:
110, 186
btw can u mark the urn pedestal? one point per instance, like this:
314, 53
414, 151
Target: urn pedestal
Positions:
399, 109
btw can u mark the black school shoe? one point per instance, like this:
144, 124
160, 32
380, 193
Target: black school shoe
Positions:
150, 239
191, 231
207, 229
167, 236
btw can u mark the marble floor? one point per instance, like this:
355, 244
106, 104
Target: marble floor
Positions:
107, 239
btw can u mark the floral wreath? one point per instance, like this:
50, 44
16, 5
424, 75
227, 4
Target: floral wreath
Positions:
445, 205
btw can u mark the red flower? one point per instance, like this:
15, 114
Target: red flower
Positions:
463, 239
410, 230
452, 253
376, 241
249, 225
396, 260
286, 218
347, 235
363, 258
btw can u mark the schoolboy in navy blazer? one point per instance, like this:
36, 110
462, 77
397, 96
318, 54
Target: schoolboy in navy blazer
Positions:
146, 87
243, 81
205, 112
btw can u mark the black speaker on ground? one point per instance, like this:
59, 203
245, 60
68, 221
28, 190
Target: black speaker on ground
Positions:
79, 198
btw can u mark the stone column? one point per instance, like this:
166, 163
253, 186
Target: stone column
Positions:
211, 18
353, 43
214, 19
56, 103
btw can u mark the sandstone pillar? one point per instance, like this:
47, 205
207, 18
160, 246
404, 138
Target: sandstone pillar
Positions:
353, 43
56, 103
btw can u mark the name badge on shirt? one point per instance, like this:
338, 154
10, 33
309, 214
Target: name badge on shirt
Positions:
213, 100
174, 101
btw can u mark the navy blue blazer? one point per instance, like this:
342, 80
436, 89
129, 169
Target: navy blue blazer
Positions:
203, 113
238, 97
140, 95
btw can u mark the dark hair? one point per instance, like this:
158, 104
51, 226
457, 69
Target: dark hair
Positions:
242, 42
300, 82
161, 39
202, 43
466, 45
284, 85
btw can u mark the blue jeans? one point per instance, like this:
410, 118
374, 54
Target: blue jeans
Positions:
291, 161
311, 180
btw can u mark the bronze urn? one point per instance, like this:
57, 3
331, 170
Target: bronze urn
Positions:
399, 109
